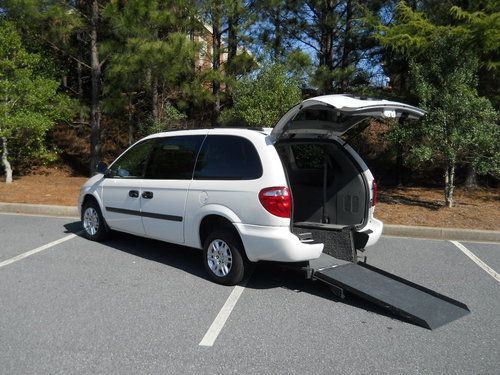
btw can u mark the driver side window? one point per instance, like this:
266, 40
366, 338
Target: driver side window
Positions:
133, 163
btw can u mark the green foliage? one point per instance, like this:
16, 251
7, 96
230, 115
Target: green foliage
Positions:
482, 29
151, 61
413, 33
241, 64
275, 26
44, 20
29, 101
149, 52
260, 101
460, 127
417, 33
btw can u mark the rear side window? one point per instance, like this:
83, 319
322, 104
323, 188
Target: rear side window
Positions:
227, 157
173, 158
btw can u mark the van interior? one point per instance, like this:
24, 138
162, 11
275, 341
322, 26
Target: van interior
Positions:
328, 188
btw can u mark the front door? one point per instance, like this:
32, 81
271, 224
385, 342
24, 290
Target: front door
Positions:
165, 187
121, 189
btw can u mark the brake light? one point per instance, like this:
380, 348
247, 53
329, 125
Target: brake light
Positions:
277, 200
375, 194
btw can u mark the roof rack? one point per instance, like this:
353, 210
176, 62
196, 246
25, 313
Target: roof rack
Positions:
259, 129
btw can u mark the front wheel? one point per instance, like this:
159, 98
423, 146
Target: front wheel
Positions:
224, 258
94, 227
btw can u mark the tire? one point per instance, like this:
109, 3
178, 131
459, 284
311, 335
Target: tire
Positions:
93, 223
224, 257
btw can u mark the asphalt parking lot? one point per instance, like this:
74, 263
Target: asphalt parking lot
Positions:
133, 305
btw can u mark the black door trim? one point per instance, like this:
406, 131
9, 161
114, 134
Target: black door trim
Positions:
152, 215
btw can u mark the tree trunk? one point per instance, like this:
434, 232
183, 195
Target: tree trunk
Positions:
278, 34
155, 100
346, 48
216, 52
130, 122
471, 178
95, 115
5, 161
232, 36
80, 97
327, 37
449, 181
399, 164
192, 23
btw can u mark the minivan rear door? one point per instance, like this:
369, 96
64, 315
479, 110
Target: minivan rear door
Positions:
336, 114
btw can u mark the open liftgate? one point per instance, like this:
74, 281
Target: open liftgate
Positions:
413, 302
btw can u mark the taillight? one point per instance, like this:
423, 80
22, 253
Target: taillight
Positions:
277, 200
375, 194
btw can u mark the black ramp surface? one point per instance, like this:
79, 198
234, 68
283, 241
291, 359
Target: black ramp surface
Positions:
414, 302
337, 241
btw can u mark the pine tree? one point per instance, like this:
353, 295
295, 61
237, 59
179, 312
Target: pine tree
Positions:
151, 54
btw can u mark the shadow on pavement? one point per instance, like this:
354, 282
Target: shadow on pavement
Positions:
265, 275
73, 227
181, 257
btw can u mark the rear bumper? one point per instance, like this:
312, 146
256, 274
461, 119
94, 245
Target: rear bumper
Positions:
275, 244
376, 227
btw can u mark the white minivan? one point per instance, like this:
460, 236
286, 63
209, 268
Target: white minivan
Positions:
246, 195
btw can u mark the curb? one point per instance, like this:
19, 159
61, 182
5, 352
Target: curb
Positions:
389, 229
39, 209
441, 233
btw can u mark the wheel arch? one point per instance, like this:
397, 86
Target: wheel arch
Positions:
92, 196
212, 222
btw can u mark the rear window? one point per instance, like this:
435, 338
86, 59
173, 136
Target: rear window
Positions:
227, 157
309, 156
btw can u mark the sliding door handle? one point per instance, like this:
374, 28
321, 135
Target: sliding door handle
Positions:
147, 194
133, 193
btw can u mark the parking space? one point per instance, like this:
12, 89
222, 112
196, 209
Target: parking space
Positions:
487, 252
133, 305
23, 233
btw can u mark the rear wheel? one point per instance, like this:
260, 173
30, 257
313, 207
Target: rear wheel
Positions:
223, 257
94, 226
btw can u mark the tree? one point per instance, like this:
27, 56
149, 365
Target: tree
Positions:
415, 32
255, 104
151, 63
275, 26
54, 24
477, 27
460, 126
334, 31
29, 101
96, 84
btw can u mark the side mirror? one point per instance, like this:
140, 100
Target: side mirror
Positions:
101, 167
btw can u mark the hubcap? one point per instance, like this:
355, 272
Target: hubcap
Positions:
219, 258
91, 221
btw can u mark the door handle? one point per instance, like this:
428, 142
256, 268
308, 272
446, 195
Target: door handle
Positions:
147, 194
133, 193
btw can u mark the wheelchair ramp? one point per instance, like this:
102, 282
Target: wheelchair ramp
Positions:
417, 304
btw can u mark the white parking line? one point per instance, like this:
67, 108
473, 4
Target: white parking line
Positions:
37, 250
476, 260
221, 318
